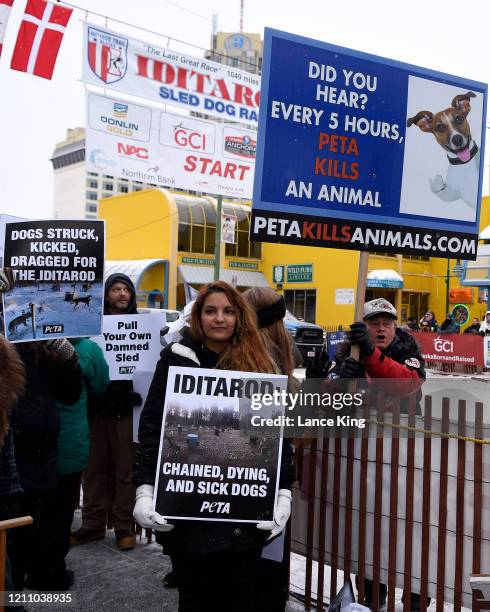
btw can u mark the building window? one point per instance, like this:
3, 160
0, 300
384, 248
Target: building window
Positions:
123, 188
92, 174
184, 237
108, 186
137, 188
91, 195
414, 305
416, 257
91, 184
302, 303
91, 208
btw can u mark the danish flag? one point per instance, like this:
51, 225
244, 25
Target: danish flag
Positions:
5, 6
39, 38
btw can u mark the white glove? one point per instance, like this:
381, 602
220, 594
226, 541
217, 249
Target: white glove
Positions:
143, 510
282, 513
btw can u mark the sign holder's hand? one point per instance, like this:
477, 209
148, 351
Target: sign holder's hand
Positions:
282, 513
143, 510
7, 280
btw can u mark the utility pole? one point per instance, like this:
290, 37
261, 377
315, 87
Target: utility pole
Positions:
217, 239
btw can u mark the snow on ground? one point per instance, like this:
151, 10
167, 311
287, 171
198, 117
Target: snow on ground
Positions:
297, 585
52, 309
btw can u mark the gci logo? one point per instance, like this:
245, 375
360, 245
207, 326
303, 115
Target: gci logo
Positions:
443, 346
188, 138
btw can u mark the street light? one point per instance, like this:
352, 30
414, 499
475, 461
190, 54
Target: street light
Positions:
457, 271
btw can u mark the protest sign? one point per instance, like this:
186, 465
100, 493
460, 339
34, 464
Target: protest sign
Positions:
360, 152
131, 342
334, 338
141, 385
58, 268
213, 464
169, 150
121, 63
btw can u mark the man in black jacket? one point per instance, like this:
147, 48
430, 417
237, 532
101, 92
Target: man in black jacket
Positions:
111, 443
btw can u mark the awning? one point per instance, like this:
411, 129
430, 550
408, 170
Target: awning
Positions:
384, 279
134, 268
200, 275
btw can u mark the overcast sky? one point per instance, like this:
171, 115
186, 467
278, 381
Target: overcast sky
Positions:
446, 35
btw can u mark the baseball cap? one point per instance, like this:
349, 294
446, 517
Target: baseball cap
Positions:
379, 306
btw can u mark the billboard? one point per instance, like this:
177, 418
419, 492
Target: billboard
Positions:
136, 142
120, 63
361, 152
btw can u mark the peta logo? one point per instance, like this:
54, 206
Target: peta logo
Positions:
53, 329
129, 150
443, 346
126, 369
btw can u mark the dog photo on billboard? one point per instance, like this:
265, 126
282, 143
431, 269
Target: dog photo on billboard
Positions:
442, 157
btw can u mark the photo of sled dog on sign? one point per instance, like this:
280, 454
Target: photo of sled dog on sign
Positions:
452, 132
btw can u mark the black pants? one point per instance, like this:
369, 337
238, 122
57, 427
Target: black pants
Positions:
216, 582
60, 507
27, 546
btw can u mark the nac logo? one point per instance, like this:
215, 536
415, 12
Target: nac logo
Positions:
443, 346
129, 150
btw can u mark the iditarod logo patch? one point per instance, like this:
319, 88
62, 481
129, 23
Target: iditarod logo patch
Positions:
107, 55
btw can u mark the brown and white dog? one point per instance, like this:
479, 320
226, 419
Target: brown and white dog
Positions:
452, 131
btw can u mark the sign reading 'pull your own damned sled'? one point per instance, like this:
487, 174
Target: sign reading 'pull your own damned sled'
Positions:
360, 152
212, 465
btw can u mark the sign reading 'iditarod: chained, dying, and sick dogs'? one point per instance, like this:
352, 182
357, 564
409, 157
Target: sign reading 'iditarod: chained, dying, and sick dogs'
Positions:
212, 465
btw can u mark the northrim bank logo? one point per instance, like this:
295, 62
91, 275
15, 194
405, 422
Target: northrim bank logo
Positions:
107, 55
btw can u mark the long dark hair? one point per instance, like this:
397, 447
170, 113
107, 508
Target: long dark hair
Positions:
246, 351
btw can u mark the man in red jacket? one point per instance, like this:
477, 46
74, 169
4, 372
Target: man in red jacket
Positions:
389, 353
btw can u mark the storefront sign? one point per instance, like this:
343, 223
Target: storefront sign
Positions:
384, 283
461, 295
120, 63
244, 265
347, 155
137, 142
58, 267
451, 348
301, 273
200, 261
344, 296
215, 462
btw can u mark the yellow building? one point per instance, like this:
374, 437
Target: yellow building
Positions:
165, 239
